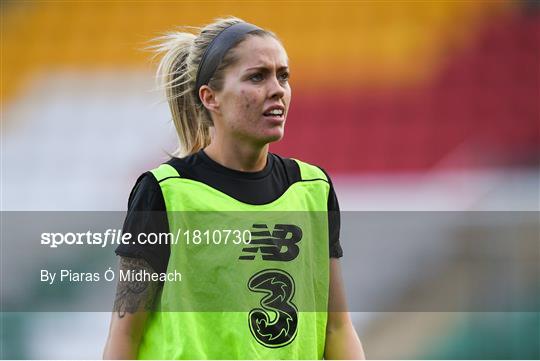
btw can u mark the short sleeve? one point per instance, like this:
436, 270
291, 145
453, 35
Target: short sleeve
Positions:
334, 221
334, 224
146, 214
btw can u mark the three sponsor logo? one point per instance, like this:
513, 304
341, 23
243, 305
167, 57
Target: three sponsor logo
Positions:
275, 323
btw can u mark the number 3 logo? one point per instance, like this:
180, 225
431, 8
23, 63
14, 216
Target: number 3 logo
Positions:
279, 330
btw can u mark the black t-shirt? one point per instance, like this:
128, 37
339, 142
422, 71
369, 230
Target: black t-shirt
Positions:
146, 206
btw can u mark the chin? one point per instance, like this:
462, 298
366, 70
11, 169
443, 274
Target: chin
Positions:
265, 136
273, 136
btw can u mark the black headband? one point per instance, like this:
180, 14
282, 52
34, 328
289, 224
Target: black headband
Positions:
217, 49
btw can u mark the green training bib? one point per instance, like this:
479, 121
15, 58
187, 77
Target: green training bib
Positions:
254, 278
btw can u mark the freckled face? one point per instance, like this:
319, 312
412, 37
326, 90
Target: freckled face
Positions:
257, 81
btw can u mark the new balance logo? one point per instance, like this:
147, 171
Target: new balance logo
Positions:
280, 245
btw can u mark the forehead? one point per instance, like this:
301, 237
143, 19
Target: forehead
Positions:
260, 51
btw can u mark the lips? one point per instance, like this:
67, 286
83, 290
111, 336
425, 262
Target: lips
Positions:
275, 117
273, 107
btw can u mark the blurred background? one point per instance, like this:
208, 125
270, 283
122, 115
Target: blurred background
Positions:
410, 106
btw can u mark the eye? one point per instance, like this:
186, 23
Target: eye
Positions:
256, 77
285, 76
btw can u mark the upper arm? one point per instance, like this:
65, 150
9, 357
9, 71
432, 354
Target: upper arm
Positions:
342, 342
338, 314
133, 301
134, 296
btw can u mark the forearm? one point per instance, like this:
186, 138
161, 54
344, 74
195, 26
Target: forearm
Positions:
342, 343
124, 336
120, 347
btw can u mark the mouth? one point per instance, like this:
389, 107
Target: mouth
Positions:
276, 113
275, 117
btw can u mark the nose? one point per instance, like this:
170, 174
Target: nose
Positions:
276, 89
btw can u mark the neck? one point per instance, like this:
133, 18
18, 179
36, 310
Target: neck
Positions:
237, 156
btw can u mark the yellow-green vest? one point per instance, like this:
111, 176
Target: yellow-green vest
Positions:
254, 278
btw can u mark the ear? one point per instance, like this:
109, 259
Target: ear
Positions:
209, 99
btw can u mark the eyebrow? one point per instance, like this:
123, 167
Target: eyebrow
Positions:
263, 67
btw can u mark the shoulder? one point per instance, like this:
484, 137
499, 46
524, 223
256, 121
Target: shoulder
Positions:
145, 194
307, 170
174, 167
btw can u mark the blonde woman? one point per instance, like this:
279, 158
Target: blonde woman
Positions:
277, 296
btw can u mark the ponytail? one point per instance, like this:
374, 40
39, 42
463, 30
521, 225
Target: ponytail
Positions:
177, 79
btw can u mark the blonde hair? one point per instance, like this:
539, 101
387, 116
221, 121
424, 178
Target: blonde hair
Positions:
177, 71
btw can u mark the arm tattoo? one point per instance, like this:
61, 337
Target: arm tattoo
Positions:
133, 296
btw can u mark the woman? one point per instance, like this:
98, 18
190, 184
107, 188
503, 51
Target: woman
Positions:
260, 298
